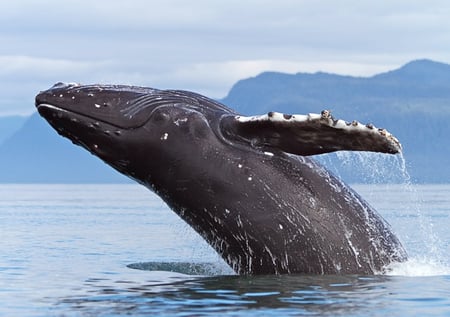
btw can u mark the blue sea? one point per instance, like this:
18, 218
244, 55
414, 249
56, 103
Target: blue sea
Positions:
114, 250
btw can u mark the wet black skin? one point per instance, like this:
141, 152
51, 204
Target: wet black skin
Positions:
263, 210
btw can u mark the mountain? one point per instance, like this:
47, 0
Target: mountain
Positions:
412, 102
412, 88
9, 125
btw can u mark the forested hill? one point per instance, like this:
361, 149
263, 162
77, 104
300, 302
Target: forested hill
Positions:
412, 102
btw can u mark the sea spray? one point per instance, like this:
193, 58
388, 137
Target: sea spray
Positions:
365, 167
424, 247
429, 260
196, 250
419, 266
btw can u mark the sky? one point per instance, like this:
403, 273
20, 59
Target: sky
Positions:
205, 45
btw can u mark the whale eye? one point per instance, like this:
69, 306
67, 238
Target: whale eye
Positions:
160, 117
198, 127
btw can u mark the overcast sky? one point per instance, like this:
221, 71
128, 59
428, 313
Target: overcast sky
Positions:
206, 45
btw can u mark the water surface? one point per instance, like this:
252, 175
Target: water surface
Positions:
105, 250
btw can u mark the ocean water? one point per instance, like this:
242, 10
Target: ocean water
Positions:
113, 250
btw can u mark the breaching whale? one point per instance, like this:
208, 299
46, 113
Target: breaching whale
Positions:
245, 184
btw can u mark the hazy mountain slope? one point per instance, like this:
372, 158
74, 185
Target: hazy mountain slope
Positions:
9, 125
36, 154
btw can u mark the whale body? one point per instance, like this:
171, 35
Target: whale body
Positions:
247, 185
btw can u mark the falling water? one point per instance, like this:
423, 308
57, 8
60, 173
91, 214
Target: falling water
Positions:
367, 167
392, 170
430, 260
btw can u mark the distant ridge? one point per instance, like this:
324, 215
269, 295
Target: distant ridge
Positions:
303, 91
412, 102
423, 70
10, 125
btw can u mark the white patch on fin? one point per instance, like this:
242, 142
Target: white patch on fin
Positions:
324, 118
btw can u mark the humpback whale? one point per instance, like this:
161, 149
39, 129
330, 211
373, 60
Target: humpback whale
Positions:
246, 184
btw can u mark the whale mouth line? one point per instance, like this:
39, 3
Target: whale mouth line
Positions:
58, 112
47, 105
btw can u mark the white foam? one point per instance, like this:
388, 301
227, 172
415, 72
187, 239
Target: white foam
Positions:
419, 267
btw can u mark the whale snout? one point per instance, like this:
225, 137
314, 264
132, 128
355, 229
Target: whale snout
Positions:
115, 105
44, 96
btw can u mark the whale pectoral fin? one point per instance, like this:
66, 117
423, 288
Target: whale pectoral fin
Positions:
309, 134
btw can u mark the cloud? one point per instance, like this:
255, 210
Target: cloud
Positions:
21, 77
215, 78
38, 67
207, 45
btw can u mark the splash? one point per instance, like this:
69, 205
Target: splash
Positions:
432, 252
393, 193
366, 167
419, 266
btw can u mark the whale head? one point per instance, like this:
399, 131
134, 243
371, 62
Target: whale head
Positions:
121, 124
